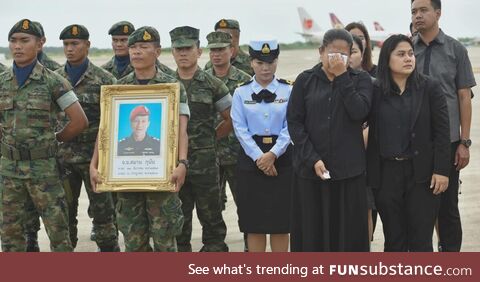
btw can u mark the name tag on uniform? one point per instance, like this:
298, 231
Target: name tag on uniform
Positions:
278, 101
249, 102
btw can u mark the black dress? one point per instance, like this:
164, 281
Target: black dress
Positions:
325, 123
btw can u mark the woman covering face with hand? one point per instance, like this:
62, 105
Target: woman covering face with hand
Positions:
326, 110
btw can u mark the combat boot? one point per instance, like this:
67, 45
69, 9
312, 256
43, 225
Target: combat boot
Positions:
93, 234
109, 249
32, 242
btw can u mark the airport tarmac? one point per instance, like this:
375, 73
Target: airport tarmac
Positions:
291, 63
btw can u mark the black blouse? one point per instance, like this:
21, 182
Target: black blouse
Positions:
325, 122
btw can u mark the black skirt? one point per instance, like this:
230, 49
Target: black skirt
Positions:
264, 201
329, 216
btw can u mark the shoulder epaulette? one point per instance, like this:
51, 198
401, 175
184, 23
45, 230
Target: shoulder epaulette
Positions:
285, 81
245, 83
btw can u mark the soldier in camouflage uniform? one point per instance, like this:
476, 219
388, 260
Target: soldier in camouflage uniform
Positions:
240, 59
142, 215
86, 79
42, 57
32, 222
221, 51
207, 95
120, 65
31, 97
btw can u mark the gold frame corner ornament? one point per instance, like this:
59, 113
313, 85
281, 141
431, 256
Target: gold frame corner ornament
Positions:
137, 93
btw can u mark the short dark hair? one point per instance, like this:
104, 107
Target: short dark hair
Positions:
436, 4
367, 62
337, 34
384, 74
358, 41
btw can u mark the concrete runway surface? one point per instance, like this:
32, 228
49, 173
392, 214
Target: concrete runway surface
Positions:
291, 63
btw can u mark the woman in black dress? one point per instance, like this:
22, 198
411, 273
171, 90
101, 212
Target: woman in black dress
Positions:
327, 108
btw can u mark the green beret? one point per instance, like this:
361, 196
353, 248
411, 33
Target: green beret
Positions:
184, 36
144, 34
121, 28
226, 23
25, 26
218, 39
74, 31
40, 27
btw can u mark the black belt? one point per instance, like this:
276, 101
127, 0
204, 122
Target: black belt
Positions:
15, 154
398, 158
265, 140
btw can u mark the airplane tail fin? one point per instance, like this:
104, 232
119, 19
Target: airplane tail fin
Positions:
336, 23
378, 27
307, 22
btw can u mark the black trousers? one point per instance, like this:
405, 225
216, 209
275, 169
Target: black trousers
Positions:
408, 209
449, 224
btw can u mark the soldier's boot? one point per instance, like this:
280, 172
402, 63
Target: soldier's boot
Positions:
32, 242
109, 249
93, 234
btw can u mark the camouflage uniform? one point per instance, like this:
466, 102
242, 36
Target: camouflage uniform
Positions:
47, 62
28, 165
228, 148
2, 68
111, 68
141, 215
241, 62
206, 95
76, 156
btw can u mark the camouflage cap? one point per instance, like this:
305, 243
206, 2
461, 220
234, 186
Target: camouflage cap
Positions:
75, 31
121, 28
219, 39
40, 27
227, 23
25, 26
139, 111
144, 34
184, 36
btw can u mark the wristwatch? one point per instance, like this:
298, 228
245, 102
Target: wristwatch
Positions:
466, 142
184, 162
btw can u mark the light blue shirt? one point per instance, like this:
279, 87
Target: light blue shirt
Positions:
264, 119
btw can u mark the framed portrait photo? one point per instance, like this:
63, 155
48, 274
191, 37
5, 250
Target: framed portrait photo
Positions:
138, 137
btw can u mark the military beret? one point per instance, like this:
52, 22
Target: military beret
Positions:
40, 27
225, 23
74, 31
139, 111
264, 50
218, 39
25, 26
121, 28
144, 34
184, 36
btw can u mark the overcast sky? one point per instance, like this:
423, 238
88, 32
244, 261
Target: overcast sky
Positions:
258, 18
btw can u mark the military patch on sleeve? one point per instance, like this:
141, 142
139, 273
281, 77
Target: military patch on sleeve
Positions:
285, 81
245, 83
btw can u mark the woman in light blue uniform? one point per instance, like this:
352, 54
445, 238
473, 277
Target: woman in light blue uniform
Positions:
264, 165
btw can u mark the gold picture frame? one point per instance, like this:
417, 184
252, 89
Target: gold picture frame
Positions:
126, 164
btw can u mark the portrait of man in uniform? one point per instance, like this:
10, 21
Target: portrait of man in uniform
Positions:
142, 139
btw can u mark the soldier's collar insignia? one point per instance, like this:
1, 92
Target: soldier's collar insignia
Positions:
265, 49
146, 36
223, 24
125, 29
74, 30
26, 24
